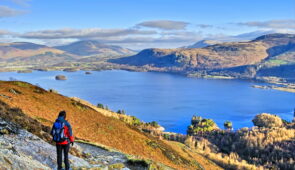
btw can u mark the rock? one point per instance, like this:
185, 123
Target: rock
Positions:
24, 71
60, 77
14, 91
32, 148
20, 149
70, 69
3, 95
8, 128
87, 72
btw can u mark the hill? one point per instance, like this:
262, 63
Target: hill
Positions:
24, 49
94, 48
39, 105
216, 56
275, 51
203, 43
24, 54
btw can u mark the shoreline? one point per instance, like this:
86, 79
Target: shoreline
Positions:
275, 83
275, 87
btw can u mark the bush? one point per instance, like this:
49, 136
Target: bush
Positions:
117, 166
53, 91
228, 125
135, 121
154, 124
99, 105
267, 120
196, 120
121, 112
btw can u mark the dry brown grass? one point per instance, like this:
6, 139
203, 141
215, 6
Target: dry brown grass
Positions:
187, 152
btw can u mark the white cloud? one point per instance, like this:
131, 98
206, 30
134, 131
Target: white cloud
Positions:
90, 33
271, 24
164, 24
139, 37
204, 26
9, 12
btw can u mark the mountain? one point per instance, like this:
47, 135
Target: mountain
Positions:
94, 48
261, 53
24, 50
35, 109
26, 53
203, 43
223, 55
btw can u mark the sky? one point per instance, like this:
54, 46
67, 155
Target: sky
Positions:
139, 24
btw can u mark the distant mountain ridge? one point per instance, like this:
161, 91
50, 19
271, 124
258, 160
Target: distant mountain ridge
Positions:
272, 50
24, 49
267, 55
91, 47
30, 54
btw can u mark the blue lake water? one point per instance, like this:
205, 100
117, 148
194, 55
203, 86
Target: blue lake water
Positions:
168, 99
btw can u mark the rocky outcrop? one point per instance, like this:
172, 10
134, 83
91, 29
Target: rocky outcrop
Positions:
20, 149
60, 77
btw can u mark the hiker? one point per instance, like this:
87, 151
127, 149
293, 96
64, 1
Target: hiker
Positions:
63, 136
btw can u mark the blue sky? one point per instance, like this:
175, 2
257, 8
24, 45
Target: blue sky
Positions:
142, 23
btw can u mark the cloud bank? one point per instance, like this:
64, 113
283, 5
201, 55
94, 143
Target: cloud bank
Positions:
164, 24
271, 24
148, 34
89, 33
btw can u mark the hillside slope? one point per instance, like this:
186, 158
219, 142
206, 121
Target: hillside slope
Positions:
91, 125
218, 56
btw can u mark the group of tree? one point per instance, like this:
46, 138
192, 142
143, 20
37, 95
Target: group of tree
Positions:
101, 106
265, 120
199, 125
121, 112
267, 145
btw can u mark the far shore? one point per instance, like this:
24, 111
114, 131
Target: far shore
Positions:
289, 88
275, 82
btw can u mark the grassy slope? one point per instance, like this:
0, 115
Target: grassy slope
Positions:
91, 125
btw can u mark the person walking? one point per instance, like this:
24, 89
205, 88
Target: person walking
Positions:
63, 136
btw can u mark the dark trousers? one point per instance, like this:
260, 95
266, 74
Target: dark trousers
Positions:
59, 150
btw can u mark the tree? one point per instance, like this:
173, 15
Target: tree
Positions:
201, 125
228, 125
119, 111
267, 120
135, 121
196, 120
99, 105
154, 124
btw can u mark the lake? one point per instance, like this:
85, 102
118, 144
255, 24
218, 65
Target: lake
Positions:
168, 99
